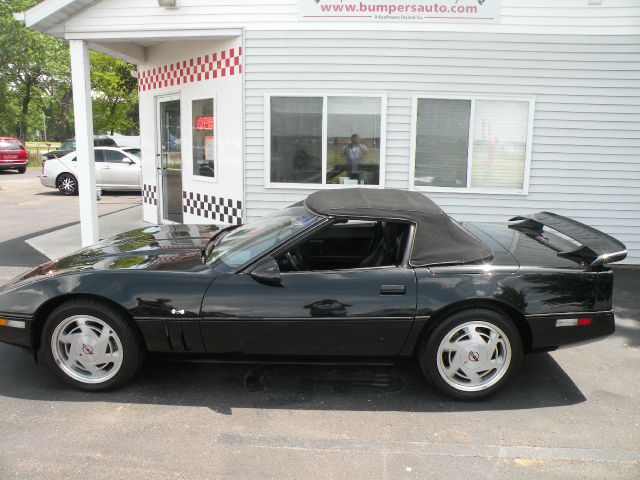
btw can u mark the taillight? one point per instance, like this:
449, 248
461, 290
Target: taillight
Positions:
43, 162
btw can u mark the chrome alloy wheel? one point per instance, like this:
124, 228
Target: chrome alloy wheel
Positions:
86, 349
474, 356
67, 184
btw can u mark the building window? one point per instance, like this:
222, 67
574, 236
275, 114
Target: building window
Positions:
203, 137
296, 140
476, 144
325, 140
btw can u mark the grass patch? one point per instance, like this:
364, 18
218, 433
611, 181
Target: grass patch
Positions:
36, 149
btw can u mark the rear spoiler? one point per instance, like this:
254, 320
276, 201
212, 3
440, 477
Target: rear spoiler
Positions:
596, 247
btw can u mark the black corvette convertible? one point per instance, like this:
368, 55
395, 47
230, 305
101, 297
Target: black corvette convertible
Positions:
354, 275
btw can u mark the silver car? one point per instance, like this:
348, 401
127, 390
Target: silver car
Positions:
116, 169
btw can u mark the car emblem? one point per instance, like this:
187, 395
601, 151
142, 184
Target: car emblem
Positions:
473, 356
177, 312
87, 349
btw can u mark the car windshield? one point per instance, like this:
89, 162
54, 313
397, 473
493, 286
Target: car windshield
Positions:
249, 241
68, 144
10, 145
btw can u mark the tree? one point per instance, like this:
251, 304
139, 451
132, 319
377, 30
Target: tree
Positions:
32, 60
115, 95
35, 84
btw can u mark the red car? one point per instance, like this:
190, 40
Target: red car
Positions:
13, 155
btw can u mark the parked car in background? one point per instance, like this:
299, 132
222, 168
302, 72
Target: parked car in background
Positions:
13, 155
69, 146
126, 140
133, 150
116, 169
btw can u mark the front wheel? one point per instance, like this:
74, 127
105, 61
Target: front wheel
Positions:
22, 169
471, 354
67, 184
91, 345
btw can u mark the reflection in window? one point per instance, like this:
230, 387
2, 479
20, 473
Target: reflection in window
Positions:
203, 137
353, 140
296, 139
499, 143
442, 142
113, 156
496, 157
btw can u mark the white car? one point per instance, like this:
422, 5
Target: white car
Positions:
116, 169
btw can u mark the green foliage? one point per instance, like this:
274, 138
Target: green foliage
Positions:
115, 95
35, 84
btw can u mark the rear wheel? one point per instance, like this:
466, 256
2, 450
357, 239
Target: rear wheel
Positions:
471, 354
91, 345
67, 184
22, 169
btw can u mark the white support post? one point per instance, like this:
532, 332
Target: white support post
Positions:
83, 113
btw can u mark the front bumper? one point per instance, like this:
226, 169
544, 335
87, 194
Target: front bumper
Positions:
15, 329
548, 332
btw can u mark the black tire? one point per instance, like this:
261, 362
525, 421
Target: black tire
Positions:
480, 373
67, 184
129, 346
22, 169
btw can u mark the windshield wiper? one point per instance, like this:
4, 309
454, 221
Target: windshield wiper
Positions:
213, 241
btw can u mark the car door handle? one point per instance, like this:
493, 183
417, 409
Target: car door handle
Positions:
393, 289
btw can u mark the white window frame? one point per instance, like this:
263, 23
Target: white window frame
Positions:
468, 189
199, 178
324, 96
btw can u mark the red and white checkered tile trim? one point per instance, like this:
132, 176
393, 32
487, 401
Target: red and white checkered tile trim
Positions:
219, 64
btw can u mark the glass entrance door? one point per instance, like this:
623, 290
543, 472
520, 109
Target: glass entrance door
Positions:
170, 158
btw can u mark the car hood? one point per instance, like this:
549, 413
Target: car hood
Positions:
162, 247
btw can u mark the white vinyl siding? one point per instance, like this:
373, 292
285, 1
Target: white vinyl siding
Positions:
585, 153
516, 16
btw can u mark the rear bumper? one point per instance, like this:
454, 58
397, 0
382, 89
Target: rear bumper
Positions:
547, 335
15, 330
48, 181
6, 165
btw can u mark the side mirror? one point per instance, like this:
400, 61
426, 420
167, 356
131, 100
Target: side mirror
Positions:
127, 160
268, 272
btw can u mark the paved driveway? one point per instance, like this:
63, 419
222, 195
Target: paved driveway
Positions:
28, 210
572, 414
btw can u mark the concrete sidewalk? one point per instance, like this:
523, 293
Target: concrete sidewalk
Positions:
64, 241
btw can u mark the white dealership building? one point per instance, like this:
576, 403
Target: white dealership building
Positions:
492, 108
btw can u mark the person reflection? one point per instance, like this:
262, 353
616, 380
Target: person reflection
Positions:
354, 154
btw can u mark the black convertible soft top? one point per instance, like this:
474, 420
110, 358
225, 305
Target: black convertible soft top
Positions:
438, 238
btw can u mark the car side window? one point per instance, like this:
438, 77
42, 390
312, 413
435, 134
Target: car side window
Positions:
113, 156
350, 245
97, 156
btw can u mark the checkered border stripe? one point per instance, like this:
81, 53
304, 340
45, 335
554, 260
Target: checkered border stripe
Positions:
225, 210
218, 64
150, 194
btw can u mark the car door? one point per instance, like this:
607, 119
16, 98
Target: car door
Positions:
353, 312
120, 171
72, 166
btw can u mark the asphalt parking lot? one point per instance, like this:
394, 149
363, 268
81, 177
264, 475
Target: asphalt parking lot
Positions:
571, 414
